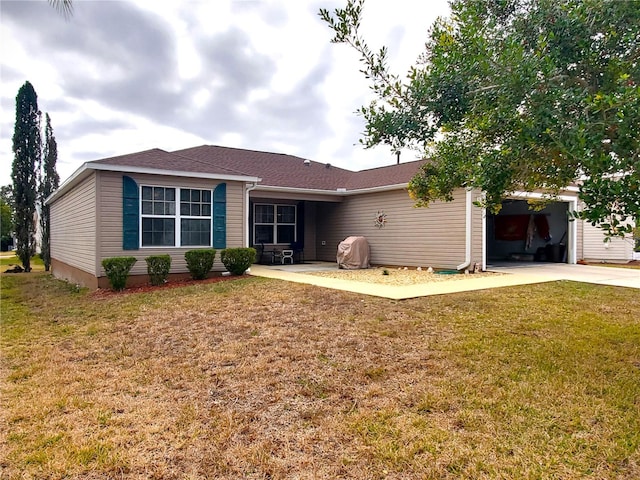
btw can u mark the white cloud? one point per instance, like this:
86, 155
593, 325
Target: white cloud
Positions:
124, 76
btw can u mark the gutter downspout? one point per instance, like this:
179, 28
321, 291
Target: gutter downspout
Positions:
248, 188
467, 247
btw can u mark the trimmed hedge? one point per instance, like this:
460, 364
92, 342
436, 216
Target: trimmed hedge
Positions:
238, 260
158, 267
200, 262
117, 270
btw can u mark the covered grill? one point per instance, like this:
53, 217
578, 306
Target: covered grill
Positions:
353, 253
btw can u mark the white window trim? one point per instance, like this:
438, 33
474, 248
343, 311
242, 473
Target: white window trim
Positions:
275, 221
177, 217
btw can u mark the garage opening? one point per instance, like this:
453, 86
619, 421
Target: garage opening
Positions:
518, 234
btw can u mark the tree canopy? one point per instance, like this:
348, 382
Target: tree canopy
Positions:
6, 223
6, 216
516, 95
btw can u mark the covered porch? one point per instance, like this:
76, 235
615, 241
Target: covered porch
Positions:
283, 227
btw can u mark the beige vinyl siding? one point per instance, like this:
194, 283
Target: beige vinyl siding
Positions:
73, 226
594, 247
579, 239
433, 236
110, 243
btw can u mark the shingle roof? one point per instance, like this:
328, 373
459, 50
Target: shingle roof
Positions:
275, 170
396, 174
161, 160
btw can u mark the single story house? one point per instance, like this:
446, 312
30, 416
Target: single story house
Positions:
155, 201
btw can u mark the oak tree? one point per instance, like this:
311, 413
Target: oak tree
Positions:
515, 95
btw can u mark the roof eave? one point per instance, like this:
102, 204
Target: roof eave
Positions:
172, 173
87, 167
75, 177
337, 191
381, 188
317, 191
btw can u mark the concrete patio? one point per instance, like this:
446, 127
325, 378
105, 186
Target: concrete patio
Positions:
514, 274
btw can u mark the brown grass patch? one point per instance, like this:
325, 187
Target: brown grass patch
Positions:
265, 379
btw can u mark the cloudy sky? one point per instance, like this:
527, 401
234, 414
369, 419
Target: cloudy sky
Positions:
124, 76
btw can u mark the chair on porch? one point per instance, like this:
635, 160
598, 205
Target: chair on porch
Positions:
298, 252
285, 255
264, 257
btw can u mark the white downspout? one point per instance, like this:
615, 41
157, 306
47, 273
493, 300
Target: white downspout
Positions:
572, 240
248, 188
467, 247
484, 239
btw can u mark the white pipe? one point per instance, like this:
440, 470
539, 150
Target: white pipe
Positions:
246, 213
467, 247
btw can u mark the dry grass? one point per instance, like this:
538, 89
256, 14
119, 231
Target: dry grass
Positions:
265, 379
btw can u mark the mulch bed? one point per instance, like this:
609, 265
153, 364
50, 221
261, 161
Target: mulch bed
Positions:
104, 292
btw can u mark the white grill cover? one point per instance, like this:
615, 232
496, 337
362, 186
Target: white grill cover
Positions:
353, 253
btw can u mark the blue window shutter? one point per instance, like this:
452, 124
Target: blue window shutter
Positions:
220, 216
130, 214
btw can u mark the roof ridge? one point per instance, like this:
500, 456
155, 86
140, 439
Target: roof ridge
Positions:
392, 165
155, 149
202, 162
267, 153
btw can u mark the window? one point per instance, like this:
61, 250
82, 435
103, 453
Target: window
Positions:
158, 203
195, 217
163, 224
274, 223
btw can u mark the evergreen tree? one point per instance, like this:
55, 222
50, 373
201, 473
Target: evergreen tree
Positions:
27, 151
48, 184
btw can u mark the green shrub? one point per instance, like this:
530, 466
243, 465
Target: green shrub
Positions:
158, 267
200, 262
238, 260
117, 270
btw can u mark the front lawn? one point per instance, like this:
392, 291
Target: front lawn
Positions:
257, 378
8, 259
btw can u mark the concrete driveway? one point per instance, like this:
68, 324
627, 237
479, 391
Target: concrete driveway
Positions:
616, 276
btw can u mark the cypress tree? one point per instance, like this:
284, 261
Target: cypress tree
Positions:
48, 184
26, 162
